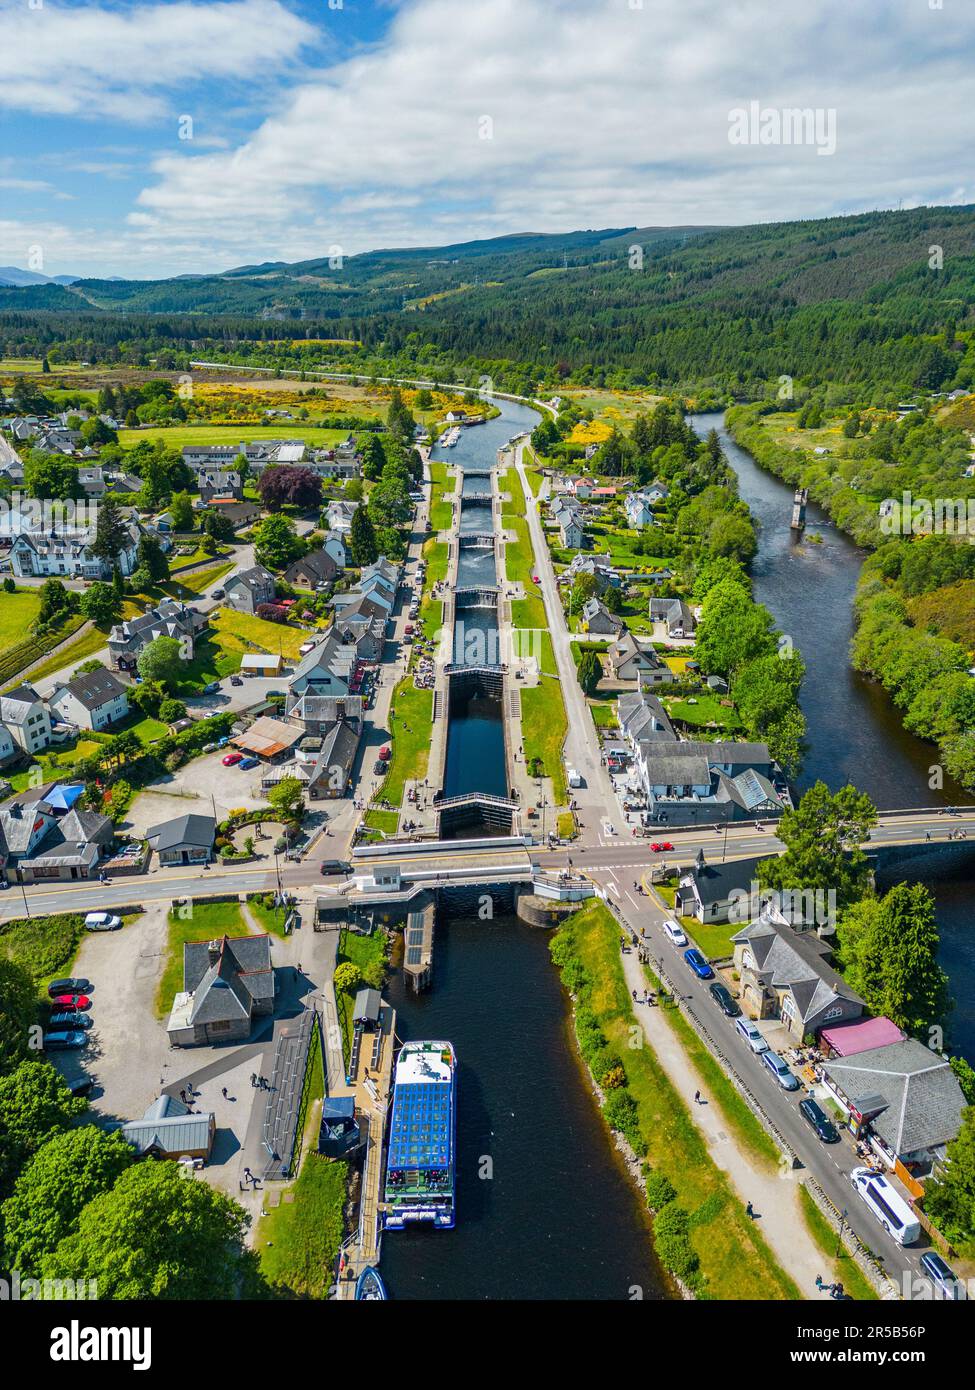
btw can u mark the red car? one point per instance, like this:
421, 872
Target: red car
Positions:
658, 845
60, 1002
232, 759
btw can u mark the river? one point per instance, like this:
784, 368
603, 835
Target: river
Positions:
545, 1209
855, 733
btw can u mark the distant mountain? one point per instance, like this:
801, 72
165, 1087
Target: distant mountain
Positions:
11, 276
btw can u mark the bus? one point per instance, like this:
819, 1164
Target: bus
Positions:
887, 1205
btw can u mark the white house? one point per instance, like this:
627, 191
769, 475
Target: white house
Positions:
26, 716
92, 701
639, 511
68, 554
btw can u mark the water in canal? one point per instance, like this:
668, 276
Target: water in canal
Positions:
544, 1207
855, 732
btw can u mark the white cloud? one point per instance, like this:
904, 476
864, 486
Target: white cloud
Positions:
602, 115
96, 62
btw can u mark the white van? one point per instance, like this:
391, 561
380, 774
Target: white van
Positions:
573, 776
673, 932
887, 1205
752, 1034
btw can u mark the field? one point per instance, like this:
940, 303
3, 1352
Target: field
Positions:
177, 436
298, 1242
17, 612
543, 721
410, 730
613, 407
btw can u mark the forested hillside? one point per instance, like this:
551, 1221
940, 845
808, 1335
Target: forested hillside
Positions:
880, 300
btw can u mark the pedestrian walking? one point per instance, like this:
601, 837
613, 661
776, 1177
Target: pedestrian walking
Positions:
224, 1092
697, 1097
750, 1211
253, 1078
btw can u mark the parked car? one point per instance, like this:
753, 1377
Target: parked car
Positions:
380, 768
658, 845
698, 964
780, 1070
102, 921
335, 866
79, 1085
218, 593
69, 984
752, 1034
211, 688
246, 764
232, 759
236, 680
69, 1019
70, 1001
724, 999
209, 748
943, 1277
674, 933
815, 1115
60, 1042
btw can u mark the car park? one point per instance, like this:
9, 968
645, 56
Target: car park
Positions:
813, 1113
698, 964
673, 933
232, 759
68, 1020
61, 1042
102, 921
752, 1034
780, 1070
70, 1001
943, 1277
69, 984
724, 999
246, 764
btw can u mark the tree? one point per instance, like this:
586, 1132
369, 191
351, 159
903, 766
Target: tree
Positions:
154, 1235
581, 590
824, 837
18, 1012
732, 537
162, 660
362, 538
54, 1188
152, 558
590, 671
613, 599
289, 485
51, 477
218, 525
891, 957
171, 710
965, 1073
95, 431
101, 604
181, 511
347, 977
949, 1199
56, 602
286, 798
373, 459
277, 543
35, 1104
733, 630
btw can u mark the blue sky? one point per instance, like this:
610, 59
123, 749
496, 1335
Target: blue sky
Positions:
352, 124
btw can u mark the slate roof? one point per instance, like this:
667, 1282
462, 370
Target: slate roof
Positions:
93, 689
924, 1099
191, 829
786, 959
169, 1127
227, 977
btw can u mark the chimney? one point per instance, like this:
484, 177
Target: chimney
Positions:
214, 950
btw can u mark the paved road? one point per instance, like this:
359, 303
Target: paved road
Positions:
829, 1164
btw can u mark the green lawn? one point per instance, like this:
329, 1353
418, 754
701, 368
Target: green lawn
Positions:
603, 715
206, 920
387, 821
410, 730
842, 1268
270, 919
735, 1260
706, 710
243, 632
17, 612
298, 1242
200, 580
368, 952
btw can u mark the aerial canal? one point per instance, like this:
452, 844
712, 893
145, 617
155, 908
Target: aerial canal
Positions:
855, 733
545, 1209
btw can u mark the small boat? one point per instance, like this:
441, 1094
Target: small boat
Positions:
369, 1287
